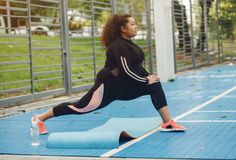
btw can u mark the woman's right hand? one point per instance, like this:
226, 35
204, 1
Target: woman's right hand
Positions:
152, 79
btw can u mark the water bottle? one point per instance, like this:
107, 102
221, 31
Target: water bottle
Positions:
34, 136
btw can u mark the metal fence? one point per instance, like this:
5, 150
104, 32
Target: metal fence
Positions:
52, 47
204, 32
194, 34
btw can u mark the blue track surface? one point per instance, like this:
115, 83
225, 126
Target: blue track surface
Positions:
211, 130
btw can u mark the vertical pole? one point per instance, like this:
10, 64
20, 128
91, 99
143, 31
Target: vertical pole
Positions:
30, 48
217, 31
94, 39
192, 35
113, 6
66, 47
164, 39
149, 33
183, 28
221, 39
206, 30
8, 18
199, 41
131, 7
173, 31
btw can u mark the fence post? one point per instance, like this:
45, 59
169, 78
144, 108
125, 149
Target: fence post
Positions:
30, 49
183, 31
9, 17
192, 34
173, 33
94, 39
149, 33
206, 30
217, 32
113, 6
65, 47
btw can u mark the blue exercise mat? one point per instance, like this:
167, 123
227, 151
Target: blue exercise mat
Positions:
106, 136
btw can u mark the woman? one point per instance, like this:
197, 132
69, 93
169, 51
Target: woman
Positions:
122, 78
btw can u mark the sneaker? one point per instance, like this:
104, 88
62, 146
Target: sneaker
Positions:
171, 126
35, 122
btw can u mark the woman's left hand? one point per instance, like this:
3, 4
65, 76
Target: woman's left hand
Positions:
156, 78
152, 79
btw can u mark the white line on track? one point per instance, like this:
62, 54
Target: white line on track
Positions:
122, 147
216, 111
208, 121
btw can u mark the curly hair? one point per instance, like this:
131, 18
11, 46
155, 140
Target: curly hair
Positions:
112, 29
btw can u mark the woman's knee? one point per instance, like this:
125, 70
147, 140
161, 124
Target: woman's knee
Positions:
62, 109
156, 87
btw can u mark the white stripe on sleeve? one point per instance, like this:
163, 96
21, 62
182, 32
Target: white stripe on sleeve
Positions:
129, 72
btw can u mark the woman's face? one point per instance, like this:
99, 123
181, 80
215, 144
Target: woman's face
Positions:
130, 29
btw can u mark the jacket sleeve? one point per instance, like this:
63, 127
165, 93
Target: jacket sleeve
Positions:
123, 61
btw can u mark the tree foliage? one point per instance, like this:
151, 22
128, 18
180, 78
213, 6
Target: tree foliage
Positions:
227, 17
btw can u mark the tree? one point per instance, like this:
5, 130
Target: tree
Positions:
101, 15
35, 11
226, 17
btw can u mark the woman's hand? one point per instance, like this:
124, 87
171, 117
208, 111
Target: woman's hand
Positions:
152, 79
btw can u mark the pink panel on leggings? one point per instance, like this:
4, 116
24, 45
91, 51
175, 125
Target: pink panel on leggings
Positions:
94, 102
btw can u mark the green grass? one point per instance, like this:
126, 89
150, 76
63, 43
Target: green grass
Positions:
41, 59
19, 52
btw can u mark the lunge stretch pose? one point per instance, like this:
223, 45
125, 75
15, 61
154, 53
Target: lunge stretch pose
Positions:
123, 77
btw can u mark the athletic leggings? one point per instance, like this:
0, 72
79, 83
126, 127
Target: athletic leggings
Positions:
106, 91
